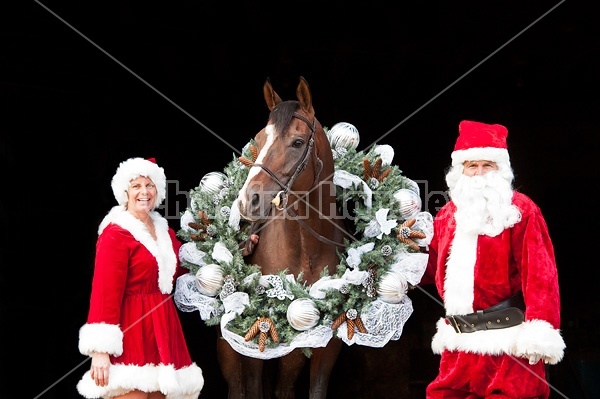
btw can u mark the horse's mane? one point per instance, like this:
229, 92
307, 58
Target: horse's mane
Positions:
283, 113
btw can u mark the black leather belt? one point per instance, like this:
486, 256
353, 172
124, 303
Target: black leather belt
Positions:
507, 313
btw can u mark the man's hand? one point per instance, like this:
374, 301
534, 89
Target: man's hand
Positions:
535, 357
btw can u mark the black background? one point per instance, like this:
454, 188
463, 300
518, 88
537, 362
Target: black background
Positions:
86, 85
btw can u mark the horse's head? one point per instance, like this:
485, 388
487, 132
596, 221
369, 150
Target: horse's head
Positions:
289, 158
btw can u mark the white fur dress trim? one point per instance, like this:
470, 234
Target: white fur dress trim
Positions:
184, 383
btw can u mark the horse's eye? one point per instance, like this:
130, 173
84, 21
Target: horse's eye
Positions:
298, 143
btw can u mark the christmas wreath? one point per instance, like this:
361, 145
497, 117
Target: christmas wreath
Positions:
364, 300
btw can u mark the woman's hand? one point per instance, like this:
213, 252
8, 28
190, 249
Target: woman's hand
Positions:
99, 368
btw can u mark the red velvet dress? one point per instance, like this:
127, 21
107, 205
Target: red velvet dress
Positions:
484, 271
132, 315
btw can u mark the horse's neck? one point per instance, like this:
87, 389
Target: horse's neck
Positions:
289, 243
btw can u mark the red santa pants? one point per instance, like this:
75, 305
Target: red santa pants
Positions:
465, 375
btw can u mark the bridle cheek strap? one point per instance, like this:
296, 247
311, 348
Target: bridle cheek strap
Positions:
286, 187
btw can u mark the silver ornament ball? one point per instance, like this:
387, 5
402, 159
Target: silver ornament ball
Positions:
343, 135
209, 279
213, 182
409, 203
392, 287
303, 314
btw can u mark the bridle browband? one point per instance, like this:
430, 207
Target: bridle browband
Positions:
286, 187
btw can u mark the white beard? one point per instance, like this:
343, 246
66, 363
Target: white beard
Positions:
483, 203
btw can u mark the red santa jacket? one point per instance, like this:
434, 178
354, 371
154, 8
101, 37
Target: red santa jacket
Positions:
473, 272
117, 271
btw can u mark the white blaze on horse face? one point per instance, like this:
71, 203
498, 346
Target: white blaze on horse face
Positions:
243, 199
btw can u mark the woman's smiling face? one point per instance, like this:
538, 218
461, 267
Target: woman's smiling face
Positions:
141, 195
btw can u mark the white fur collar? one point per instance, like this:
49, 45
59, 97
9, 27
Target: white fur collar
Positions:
162, 248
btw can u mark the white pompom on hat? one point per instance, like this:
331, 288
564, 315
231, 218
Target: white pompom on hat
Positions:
480, 142
134, 168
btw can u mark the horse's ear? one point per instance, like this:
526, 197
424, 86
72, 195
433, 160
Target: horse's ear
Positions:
304, 97
271, 97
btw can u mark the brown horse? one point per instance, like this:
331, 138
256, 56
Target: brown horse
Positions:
290, 199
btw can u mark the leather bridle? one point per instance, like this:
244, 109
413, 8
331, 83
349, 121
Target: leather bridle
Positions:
302, 163
300, 167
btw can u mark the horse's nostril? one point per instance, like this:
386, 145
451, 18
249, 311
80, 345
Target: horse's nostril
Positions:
255, 199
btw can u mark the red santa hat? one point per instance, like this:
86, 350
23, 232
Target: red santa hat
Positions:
479, 141
134, 168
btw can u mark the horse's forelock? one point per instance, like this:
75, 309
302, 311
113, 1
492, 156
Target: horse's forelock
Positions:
282, 114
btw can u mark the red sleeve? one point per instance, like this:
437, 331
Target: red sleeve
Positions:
534, 257
110, 275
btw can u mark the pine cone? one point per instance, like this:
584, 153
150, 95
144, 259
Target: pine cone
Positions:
203, 218
367, 169
350, 325
372, 270
273, 333
262, 339
406, 234
359, 323
245, 161
377, 168
254, 152
338, 322
252, 331
196, 226
198, 237
384, 174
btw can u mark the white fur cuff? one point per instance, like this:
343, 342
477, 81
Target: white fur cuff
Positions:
100, 337
538, 337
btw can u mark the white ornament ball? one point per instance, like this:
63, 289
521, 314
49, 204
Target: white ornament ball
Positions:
302, 314
413, 186
410, 203
392, 287
343, 135
385, 152
210, 279
212, 182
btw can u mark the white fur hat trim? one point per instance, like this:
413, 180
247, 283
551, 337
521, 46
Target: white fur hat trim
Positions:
134, 168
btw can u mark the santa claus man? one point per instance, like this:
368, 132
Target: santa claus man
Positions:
493, 264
